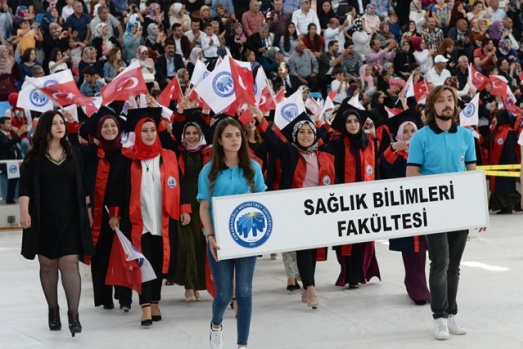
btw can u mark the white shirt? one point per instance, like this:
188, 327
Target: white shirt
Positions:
151, 196
210, 50
302, 20
66, 12
190, 35
437, 79
333, 34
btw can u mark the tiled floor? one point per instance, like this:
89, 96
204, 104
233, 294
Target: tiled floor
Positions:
378, 315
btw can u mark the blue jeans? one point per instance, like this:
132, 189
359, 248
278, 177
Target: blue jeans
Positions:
445, 251
223, 273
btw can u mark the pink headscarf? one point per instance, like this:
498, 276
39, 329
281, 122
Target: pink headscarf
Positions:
399, 135
366, 81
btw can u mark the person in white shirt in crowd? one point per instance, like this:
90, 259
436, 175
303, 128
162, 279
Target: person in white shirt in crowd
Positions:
105, 17
67, 10
303, 17
339, 85
210, 43
360, 38
372, 20
498, 12
508, 26
195, 34
438, 74
335, 32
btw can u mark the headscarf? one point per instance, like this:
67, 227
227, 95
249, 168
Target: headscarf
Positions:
89, 54
99, 27
130, 24
414, 8
150, 33
359, 140
193, 57
154, 12
416, 43
201, 12
140, 151
6, 64
503, 46
139, 51
358, 27
399, 135
201, 142
494, 32
367, 10
271, 53
115, 144
20, 11
175, 9
314, 146
366, 81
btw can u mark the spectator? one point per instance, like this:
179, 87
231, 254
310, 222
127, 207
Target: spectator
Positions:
510, 33
27, 64
114, 65
51, 16
325, 15
167, 65
328, 61
227, 5
462, 72
250, 57
194, 34
105, 17
182, 44
509, 71
288, 41
260, 42
422, 55
506, 51
485, 56
205, 15
461, 36
417, 15
278, 21
8, 73
252, 19
335, 32
303, 17
289, 81
432, 35
377, 56
132, 39
366, 78
458, 12
305, 66
154, 15
447, 50
384, 35
88, 60
236, 41
177, 14
91, 85
58, 61
372, 20
394, 27
478, 12
289, 6
438, 74
196, 55
441, 13
67, 10
351, 61
478, 32
498, 13
9, 151
339, 85
360, 38
412, 31
496, 31
78, 24
28, 35
404, 59
210, 43
313, 41
155, 39
273, 58
103, 42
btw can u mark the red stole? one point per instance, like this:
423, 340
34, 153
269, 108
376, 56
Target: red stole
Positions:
171, 207
367, 169
496, 149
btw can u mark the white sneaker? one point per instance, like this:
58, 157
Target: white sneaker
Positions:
216, 338
454, 326
441, 330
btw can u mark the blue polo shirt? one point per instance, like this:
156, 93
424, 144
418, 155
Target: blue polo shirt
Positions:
78, 24
435, 151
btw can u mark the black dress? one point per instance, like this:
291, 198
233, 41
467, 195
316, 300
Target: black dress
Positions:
59, 235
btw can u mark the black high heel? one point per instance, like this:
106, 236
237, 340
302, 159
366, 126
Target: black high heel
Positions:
54, 319
158, 317
74, 323
146, 322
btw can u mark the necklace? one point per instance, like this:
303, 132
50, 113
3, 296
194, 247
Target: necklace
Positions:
58, 161
147, 168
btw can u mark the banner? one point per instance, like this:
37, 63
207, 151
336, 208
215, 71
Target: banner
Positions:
297, 219
13, 169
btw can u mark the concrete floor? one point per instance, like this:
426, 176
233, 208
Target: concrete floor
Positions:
377, 315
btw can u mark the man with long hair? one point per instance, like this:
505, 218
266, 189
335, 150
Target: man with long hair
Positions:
443, 147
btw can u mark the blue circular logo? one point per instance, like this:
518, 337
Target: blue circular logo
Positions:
289, 111
171, 182
50, 82
250, 224
469, 110
38, 98
223, 85
326, 180
13, 169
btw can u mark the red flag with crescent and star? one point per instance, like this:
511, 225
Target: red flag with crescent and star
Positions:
170, 92
127, 83
61, 88
421, 91
476, 79
499, 85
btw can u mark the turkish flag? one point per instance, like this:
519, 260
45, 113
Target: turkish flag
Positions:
476, 79
510, 102
246, 117
280, 96
61, 88
499, 85
194, 96
263, 92
243, 84
122, 272
421, 90
170, 92
127, 83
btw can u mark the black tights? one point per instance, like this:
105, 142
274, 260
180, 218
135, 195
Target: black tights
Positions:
68, 266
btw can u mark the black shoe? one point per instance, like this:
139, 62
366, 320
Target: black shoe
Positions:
54, 319
420, 302
109, 306
74, 323
506, 210
125, 307
147, 323
157, 318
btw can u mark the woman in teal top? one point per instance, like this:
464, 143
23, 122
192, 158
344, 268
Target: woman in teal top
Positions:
230, 172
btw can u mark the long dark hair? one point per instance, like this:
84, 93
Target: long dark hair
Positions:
315, 41
287, 37
218, 156
42, 135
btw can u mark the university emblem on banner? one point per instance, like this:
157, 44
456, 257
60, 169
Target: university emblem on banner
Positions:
326, 180
250, 224
289, 112
469, 110
223, 85
13, 169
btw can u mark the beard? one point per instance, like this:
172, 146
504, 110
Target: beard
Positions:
445, 117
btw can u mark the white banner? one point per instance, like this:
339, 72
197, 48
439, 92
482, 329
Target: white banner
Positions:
13, 169
289, 220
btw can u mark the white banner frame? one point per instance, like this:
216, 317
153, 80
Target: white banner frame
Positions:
455, 201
